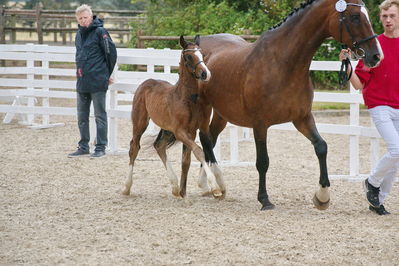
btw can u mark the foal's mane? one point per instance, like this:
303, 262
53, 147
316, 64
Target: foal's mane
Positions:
302, 6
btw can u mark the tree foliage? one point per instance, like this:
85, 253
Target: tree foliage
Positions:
185, 17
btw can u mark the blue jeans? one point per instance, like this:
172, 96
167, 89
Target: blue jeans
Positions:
83, 101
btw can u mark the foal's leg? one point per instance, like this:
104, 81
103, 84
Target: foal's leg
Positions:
140, 123
185, 166
161, 143
210, 158
199, 154
307, 127
262, 164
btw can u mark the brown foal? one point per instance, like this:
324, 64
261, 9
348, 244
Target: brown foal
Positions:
177, 110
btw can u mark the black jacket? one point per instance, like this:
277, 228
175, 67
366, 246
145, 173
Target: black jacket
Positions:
95, 57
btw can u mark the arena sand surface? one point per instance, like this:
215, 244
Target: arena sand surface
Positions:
57, 210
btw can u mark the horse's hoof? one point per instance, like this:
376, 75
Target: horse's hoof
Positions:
176, 193
182, 194
320, 205
217, 194
223, 195
268, 206
125, 192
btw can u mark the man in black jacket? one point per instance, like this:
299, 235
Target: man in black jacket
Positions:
95, 61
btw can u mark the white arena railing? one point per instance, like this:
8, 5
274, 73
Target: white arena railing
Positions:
18, 96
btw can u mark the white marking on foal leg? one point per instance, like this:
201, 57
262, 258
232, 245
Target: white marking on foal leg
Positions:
173, 179
219, 176
129, 182
212, 181
203, 182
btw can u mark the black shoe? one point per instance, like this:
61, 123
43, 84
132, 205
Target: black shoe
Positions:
372, 194
97, 154
380, 210
78, 153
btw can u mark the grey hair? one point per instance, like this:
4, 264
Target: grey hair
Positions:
83, 8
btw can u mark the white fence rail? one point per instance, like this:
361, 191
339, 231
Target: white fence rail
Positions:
20, 94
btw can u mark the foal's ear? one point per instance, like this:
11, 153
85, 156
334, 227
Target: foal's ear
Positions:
197, 40
183, 42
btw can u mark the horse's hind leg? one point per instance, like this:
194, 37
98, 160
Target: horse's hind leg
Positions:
307, 127
185, 166
140, 123
133, 151
164, 139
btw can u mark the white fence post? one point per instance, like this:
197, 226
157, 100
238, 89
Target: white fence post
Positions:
216, 151
354, 139
45, 103
92, 126
31, 101
234, 156
113, 122
166, 68
246, 134
151, 126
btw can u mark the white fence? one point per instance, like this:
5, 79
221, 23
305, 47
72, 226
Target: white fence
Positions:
21, 94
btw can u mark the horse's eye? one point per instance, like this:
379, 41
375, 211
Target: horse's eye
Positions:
189, 57
355, 19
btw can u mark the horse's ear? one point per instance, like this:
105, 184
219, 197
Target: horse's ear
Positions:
183, 42
197, 39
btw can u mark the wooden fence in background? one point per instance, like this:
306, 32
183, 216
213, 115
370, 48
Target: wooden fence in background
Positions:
60, 24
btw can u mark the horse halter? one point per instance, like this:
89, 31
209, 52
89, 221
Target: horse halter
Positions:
187, 63
341, 7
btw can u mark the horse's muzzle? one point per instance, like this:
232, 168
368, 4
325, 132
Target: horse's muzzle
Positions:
374, 60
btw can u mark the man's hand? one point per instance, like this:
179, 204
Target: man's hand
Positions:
345, 53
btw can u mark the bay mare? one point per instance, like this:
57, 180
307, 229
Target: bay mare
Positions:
267, 82
178, 112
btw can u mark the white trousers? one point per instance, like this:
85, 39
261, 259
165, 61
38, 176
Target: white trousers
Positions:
386, 120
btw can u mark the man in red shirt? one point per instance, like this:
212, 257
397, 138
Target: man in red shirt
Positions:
380, 89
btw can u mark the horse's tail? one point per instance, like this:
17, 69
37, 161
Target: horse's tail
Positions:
165, 138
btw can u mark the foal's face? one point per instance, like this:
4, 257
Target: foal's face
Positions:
195, 63
193, 59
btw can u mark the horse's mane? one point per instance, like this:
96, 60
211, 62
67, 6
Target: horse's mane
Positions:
296, 10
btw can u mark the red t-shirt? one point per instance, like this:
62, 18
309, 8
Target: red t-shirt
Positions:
381, 84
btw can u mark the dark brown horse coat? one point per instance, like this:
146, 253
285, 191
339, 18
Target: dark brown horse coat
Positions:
264, 83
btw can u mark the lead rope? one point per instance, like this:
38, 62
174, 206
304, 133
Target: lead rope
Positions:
343, 76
